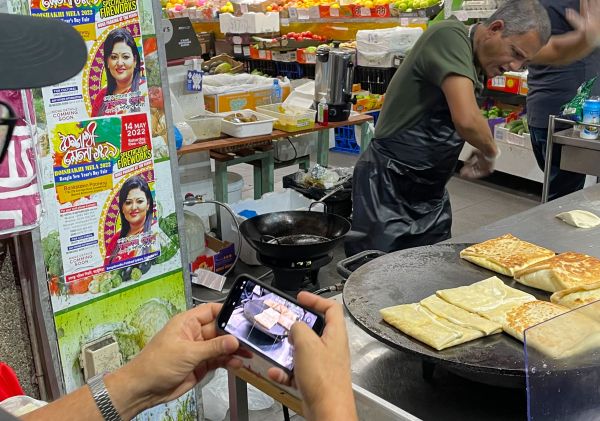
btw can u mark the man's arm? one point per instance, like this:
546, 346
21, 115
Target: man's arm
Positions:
566, 48
466, 116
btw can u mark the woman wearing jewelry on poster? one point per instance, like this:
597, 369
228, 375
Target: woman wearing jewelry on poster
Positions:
122, 65
135, 208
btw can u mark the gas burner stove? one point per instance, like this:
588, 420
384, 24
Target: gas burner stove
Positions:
293, 276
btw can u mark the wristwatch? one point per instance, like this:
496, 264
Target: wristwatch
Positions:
102, 398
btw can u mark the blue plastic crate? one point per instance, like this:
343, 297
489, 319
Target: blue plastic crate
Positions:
345, 138
292, 70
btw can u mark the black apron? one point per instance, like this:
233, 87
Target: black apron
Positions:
399, 191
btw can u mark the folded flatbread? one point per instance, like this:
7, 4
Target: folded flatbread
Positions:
567, 270
490, 298
267, 318
573, 334
530, 314
577, 296
506, 254
286, 322
579, 218
418, 322
460, 316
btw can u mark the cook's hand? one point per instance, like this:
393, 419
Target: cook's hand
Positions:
321, 364
478, 165
587, 20
180, 355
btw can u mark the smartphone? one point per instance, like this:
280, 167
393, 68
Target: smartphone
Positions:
261, 317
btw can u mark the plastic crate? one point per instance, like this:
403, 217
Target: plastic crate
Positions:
264, 66
345, 137
374, 79
309, 70
291, 70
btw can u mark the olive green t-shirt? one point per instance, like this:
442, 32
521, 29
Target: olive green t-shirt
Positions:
442, 50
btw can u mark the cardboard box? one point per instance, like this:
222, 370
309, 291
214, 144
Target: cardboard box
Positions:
341, 12
304, 57
207, 43
249, 23
258, 54
235, 101
504, 83
220, 261
502, 134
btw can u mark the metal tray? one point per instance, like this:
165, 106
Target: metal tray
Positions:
410, 275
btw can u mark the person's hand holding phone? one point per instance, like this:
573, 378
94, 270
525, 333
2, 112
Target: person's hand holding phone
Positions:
321, 364
181, 354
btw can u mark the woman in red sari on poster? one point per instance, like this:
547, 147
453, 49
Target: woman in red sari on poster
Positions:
122, 64
136, 206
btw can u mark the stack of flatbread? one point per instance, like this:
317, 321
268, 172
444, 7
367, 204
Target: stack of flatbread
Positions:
438, 323
490, 298
458, 315
564, 271
506, 254
268, 318
286, 316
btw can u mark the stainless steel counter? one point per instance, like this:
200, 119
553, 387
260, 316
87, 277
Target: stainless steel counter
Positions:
397, 377
389, 384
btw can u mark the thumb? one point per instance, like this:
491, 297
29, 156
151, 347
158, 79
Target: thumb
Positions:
216, 347
302, 337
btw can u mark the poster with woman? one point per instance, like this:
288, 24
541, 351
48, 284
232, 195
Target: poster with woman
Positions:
109, 237
114, 80
104, 171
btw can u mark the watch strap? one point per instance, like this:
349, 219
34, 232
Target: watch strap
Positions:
102, 398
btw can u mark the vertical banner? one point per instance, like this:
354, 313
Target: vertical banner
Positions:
110, 238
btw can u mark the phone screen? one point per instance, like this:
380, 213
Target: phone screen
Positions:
262, 320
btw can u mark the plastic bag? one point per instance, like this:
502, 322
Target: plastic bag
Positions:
21, 405
215, 397
574, 108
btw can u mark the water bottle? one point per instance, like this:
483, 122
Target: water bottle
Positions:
276, 92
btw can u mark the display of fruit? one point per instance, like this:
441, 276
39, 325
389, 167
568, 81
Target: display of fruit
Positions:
301, 36
227, 8
410, 5
220, 64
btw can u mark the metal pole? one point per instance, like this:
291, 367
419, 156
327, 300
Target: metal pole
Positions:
238, 398
548, 163
29, 317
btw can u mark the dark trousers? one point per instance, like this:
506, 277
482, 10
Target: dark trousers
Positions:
561, 182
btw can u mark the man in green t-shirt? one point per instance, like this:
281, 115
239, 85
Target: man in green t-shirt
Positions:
399, 192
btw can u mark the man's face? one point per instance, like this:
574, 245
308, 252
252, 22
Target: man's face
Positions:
498, 54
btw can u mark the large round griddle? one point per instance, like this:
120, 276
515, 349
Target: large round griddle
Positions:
408, 276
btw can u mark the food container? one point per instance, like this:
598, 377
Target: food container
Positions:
205, 126
289, 118
264, 124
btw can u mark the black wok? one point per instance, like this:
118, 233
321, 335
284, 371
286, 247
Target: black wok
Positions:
294, 235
